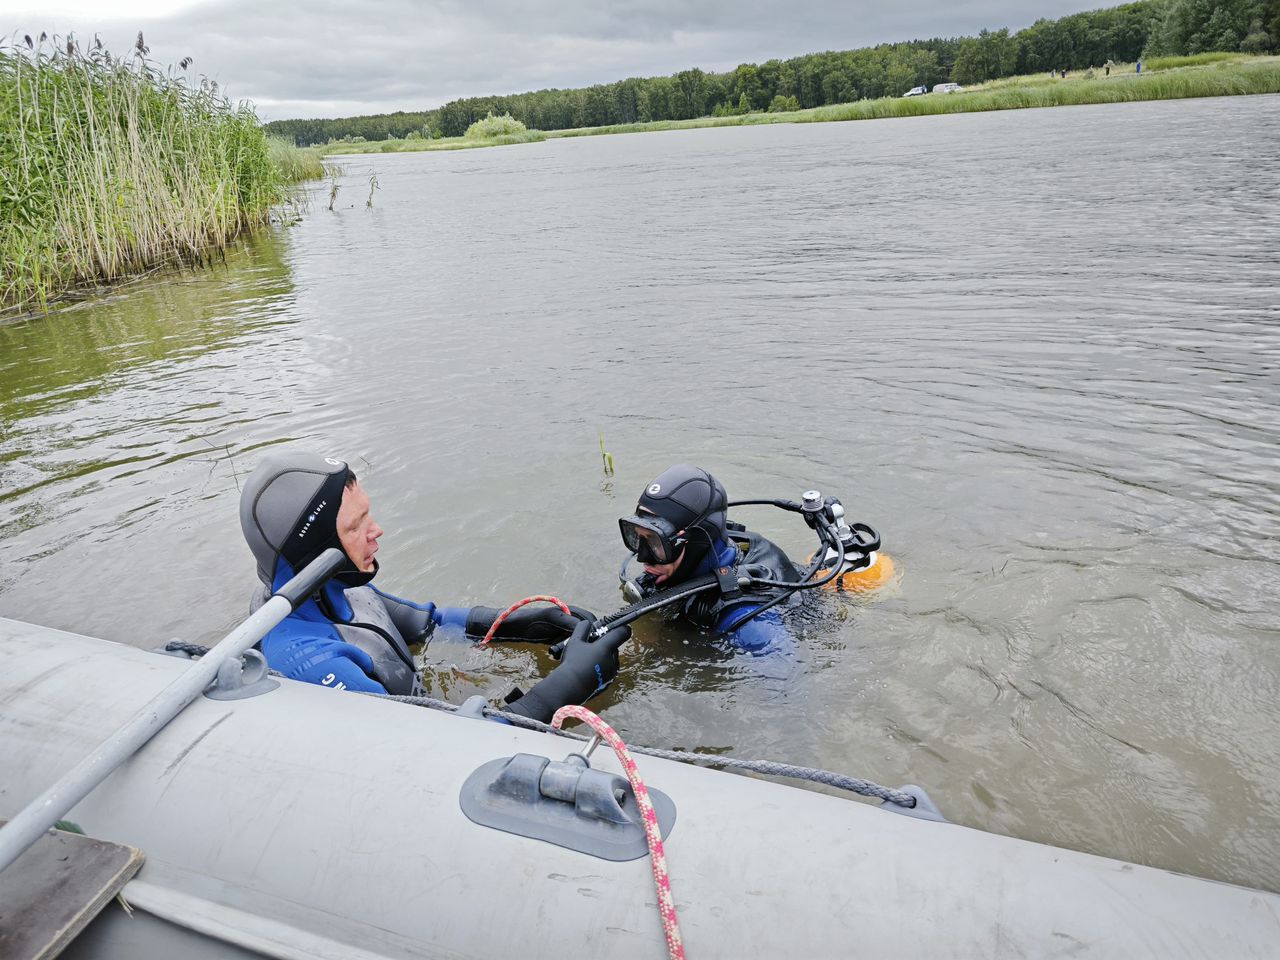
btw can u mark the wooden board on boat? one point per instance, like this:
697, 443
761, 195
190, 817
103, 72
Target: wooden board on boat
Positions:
51, 892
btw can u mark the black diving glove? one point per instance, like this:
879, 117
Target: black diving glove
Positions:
529, 624
586, 667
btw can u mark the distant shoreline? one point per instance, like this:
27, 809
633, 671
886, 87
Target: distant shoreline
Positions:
1182, 78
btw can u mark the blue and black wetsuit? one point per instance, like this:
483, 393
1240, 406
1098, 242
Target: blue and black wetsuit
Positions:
354, 638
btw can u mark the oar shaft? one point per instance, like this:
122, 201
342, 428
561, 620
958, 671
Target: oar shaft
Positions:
44, 811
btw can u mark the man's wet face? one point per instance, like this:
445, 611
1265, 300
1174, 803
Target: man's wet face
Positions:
357, 531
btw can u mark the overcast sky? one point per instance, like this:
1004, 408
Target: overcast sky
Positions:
327, 58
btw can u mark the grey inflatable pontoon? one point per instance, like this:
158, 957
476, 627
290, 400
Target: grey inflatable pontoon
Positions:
306, 823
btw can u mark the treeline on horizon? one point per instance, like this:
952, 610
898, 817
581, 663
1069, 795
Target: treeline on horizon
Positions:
1122, 34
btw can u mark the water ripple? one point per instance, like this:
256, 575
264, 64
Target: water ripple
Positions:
1040, 350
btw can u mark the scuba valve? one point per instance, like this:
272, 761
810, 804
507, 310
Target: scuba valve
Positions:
861, 566
860, 541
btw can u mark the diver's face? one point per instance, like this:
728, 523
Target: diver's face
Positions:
663, 571
357, 531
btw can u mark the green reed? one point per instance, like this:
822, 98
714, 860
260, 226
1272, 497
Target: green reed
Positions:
1212, 80
492, 131
110, 166
296, 163
338, 148
1191, 60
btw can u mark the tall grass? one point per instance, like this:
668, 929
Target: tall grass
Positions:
1191, 60
492, 131
1212, 81
295, 163
1210, 75
109, 166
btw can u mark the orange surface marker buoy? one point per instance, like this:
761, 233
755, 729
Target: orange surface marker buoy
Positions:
870, 577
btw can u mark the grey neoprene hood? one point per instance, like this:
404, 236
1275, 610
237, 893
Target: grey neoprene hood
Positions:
289, 508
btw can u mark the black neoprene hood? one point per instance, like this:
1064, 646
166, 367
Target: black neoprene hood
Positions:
690, 498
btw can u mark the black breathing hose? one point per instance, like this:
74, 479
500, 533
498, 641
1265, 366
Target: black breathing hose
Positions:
804, 582
662, 598
785, 595
710, 581
825, 537
783, 504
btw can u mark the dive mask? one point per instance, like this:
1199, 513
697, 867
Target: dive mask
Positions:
652, 539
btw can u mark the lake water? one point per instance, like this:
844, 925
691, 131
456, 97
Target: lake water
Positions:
1039, 350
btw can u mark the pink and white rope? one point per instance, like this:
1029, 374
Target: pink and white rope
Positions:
540, 598
657, 854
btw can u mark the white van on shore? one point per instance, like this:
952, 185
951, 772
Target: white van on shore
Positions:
916, 92
947, 88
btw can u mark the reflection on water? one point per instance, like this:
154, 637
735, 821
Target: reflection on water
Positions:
1038, 350
116, 419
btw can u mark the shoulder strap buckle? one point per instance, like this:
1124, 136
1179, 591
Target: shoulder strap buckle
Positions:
729, 586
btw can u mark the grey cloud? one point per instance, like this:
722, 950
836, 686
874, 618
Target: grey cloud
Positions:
329, 58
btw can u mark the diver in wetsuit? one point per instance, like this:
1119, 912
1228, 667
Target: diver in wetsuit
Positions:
350, 635
681, 530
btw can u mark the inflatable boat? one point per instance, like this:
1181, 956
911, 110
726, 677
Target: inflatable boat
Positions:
287, 820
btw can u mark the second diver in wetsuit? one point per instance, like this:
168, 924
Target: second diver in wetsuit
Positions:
680, 531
